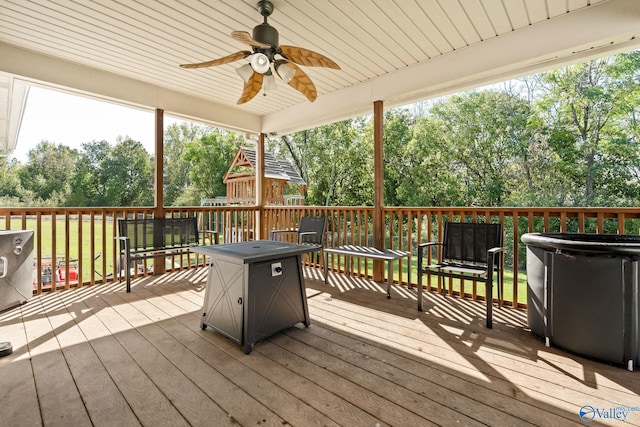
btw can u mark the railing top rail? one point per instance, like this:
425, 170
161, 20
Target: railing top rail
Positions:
536, 210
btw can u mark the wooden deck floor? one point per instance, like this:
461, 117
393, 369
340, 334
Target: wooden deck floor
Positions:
99, 356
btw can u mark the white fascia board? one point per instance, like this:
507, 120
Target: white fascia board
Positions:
18, 93
75, 78
603, 29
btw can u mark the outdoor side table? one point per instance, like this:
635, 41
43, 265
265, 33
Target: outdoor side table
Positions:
254, 289
388, 255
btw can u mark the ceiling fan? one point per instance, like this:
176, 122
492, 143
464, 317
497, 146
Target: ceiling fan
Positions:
267, 57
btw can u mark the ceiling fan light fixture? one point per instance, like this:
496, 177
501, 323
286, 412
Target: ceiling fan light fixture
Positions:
260, 63
269, 82
245, 72
286, 71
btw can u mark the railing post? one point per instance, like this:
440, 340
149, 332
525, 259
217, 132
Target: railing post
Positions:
260, 187
378, 193
158, 211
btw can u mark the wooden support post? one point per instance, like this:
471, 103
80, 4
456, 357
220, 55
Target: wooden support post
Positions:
158, 206
260, 190
378, 187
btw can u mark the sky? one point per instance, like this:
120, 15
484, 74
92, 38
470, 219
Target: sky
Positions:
71, 120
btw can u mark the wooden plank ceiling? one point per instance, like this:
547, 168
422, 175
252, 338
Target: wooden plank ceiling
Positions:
397, 51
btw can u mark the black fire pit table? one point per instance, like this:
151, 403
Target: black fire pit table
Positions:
254, 289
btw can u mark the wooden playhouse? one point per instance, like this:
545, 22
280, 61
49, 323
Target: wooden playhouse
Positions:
240, 180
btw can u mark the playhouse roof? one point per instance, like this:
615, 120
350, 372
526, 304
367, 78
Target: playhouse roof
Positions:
274, 168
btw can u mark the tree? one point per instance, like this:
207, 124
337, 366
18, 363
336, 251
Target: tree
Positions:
90, 180
398, 126
11, 190
128, 172
587, 110
428, 180
119, 175
49, 171
176, 170
209, 158
481, 135
335, 160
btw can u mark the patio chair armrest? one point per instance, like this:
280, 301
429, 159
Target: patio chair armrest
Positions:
124, 240
303, 234
422, 249
210, 233
422, 246
492, 254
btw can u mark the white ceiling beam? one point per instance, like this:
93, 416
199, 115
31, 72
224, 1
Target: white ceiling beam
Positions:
48, 71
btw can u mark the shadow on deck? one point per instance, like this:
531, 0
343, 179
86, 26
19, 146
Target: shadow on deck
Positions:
99, 356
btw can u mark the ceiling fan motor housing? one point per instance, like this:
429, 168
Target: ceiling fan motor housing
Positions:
265, 33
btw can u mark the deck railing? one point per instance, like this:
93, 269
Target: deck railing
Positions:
76, 246
405, 227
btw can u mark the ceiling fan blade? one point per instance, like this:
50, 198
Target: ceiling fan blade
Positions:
251, 88
303, 84
307, 57
224, 60
245, 37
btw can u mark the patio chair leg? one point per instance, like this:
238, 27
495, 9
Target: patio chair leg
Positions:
489, 297
127, 269
325, 268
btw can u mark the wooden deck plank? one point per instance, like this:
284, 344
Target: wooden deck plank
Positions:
367, 399
18, 395
140, 341
104, 403
187, 390
148, 403
514, 376
289, 407
442, 384
58, 397
100, 356
325, 400
339, 411
447, 401
511, 348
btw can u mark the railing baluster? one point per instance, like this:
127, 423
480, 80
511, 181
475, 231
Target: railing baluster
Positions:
98, 262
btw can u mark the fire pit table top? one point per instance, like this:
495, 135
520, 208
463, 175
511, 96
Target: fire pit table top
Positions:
254, 251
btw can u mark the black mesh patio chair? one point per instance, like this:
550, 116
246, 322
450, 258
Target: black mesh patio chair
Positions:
470, 251
311, 231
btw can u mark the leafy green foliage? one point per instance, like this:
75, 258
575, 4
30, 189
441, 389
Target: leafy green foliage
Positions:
588, 109
178, 187
209, 158
49, 172
119, 175
335, 160
10, 187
